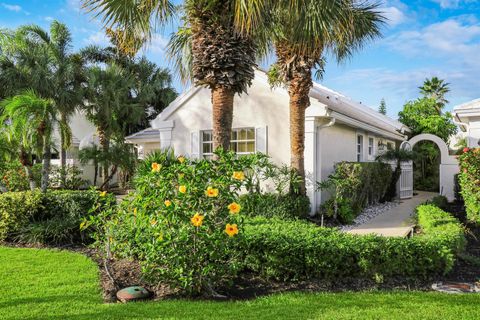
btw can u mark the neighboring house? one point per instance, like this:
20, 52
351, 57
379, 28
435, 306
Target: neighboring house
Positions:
84, 134
336, 128
467, 117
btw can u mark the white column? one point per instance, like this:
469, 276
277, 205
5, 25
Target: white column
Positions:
311, 161
165, 128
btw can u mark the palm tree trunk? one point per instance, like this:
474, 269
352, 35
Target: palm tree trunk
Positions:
31, 179
222, 117
63, 153
105, 144
26, 162
299, 89
47, 156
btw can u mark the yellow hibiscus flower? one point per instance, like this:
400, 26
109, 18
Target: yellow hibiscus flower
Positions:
153, 222
231, 229
156, 167
238, 175
234, 208
135, 212
103, 194
197, 219
211, 192
182, 189
167, 203
181, 159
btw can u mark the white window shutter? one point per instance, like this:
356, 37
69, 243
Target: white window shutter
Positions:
195, 144
261, 139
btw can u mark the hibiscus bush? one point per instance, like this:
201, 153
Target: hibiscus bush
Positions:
183, 221
469, 180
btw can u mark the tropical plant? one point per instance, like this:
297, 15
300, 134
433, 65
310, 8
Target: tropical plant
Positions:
110, 107
399, 156
435, 89
215, 42
383, 107
33, 119
301, 38
66, 78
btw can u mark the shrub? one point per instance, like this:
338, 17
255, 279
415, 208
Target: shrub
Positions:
14, 178
285, 206
283, 250
183, 221
70, 177
442, 227
50, 218
439, 201
469, 179
16, 210
354, 186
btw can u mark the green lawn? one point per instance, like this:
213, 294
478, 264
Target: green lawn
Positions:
46, 284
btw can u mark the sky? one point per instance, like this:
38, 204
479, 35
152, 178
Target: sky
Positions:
421, 39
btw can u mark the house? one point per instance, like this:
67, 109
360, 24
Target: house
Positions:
467, 117
337, 129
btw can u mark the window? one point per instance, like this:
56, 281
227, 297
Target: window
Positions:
359, 148
242, 142
390, 146
370, 146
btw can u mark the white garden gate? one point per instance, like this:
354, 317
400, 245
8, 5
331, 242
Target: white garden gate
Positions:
448, 168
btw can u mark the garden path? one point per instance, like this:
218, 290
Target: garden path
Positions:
396, 222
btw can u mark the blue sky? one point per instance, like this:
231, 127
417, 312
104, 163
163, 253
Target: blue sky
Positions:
422, 39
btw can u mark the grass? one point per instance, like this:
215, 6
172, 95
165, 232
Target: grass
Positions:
50, 284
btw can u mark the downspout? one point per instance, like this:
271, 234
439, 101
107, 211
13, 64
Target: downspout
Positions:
319, 166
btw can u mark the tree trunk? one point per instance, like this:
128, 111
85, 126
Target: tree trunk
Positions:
31, 179
222, 117
110, 176
47, 156
105, 144
63, 154
299, 101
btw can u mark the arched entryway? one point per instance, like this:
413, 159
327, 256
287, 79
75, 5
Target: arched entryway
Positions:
448, 167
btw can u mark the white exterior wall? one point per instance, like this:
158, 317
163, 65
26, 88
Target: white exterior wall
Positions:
262, 107
473, 133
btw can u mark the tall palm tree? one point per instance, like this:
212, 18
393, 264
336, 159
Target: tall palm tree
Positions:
66, 75
301, 38
33, 119
109, 105
436, 89
220, 38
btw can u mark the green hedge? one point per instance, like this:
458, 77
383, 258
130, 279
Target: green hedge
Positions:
285, 250
354, 186
271, 205
469, 180
50, 218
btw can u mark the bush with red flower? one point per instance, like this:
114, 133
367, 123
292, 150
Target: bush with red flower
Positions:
469, 179
184, 221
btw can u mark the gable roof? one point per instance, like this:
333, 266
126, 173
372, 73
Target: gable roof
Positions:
334, 101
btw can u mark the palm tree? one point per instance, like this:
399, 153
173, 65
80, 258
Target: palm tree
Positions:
110, 106
301, 38
32, 119
219, 34
436, 89
398, 156
66, 75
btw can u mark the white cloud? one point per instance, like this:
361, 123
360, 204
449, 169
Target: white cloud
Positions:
394, 15
76, 5
49, 19
98, 38
12, 7
158, 44
452, 4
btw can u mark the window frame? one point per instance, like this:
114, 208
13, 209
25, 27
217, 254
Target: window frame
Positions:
371, 147
209, 155
360, 143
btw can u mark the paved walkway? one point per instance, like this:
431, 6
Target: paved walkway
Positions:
396, 222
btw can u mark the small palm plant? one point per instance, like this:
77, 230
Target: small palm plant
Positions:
32, 119
398, 156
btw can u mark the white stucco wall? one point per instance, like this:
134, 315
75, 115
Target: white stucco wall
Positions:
261, 107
